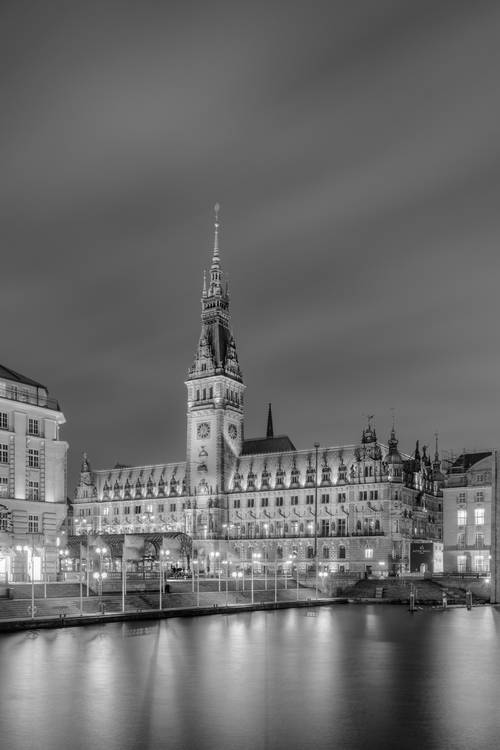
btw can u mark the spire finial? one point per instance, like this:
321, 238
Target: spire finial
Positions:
215, 259
436, 454
270, 430
204, 283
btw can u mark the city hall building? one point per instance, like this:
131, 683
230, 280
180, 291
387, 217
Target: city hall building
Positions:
353, 508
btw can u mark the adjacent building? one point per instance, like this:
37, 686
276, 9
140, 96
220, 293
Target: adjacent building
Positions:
32, 479
247, 501
467, 499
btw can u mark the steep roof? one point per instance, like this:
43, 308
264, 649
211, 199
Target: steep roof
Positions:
8, 374
278, 444
466, 460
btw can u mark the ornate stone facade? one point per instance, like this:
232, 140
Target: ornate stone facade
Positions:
347, 508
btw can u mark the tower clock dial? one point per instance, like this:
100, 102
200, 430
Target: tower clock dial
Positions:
232, 431
203, 430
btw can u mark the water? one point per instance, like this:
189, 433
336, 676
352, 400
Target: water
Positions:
350, 677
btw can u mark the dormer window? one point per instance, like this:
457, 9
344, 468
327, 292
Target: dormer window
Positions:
326, 475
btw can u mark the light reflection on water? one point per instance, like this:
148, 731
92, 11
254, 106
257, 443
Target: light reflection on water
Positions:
350, 677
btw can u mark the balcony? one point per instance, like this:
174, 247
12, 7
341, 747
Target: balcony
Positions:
40, 398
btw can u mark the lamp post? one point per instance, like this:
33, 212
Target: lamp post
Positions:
255, 556
323, 574
275, 576
316, 448
195, 563
226, 573
164, 553
101, 551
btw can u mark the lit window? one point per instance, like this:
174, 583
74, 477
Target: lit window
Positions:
33, 427
33, 458
105, 511
33, 524
4, 421
461, 517
33, 491
479, 516
368, 553
461, 563
4, 454
4, 486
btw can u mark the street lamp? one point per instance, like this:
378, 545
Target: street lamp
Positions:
255, 556
195, 562
164, 553
236, 574
323, 574
100, 577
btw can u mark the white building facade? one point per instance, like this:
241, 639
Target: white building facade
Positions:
467, 500
32, 479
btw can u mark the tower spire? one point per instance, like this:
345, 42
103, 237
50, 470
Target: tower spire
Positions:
215, 258
270, 430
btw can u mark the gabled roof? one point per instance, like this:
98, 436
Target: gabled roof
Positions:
8, 374
466, 460
278, 444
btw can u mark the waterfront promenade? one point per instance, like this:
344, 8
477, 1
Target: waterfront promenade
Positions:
60, 605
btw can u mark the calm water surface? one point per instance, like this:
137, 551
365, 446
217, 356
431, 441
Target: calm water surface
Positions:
352, 677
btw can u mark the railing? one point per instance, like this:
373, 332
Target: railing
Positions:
34, 399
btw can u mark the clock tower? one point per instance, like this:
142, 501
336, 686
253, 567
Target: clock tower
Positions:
215, 398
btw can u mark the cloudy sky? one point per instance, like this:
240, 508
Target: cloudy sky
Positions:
354, 147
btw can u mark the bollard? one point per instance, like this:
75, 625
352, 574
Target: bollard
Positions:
468, 599
445, 600
412, 601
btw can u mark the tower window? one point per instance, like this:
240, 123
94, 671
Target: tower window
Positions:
4, 421
4, 454
211, 392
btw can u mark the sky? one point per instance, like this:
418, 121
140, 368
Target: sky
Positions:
354, 149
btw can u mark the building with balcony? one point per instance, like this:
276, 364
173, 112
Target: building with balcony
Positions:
348, 508
467, 503
32, 479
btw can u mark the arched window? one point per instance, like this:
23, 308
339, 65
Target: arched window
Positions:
377, 525
326, 553
341, 552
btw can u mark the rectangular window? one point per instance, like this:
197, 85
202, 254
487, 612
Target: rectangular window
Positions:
116, 511
105, 511
363, 495
264, 503
341, 497
479, 497
368, 553
236, 503
33, 491
149, 508
4, 420
138, 510
309, 499
461, 539
4, 486
279, 502
294, 500
325, 499
461, 563
373, 494
33, 458
161, 508
4, 453
461, 517
325, 527
173, 507
250, 502
33, 427
33, 524
479, 540
462, 497
126, 510
479, 516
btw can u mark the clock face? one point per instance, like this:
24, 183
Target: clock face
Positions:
203, 430
232, 431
